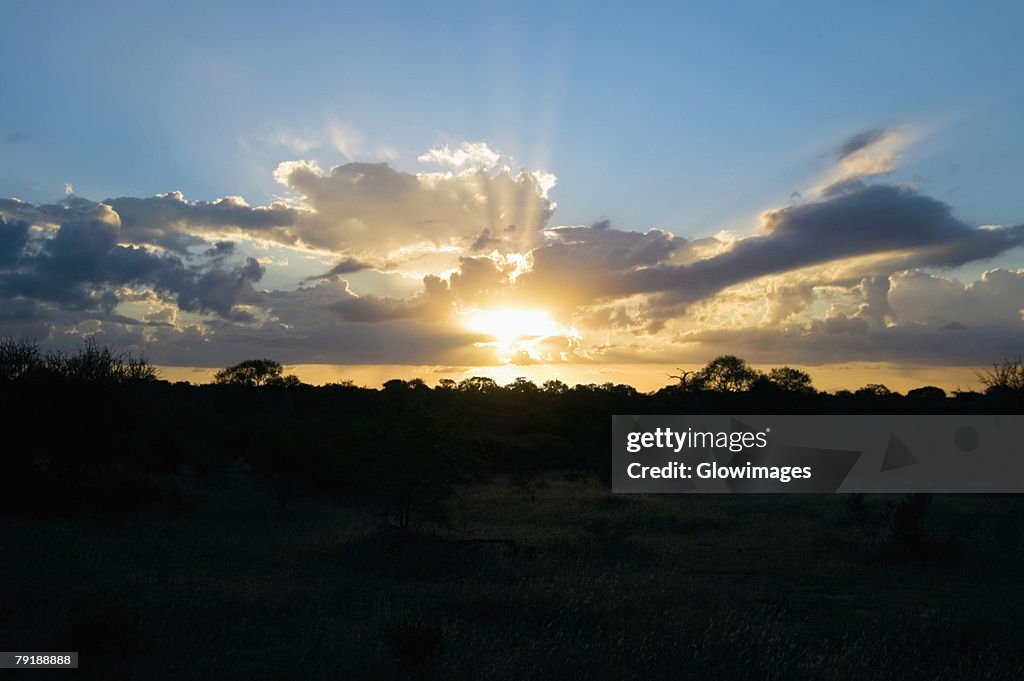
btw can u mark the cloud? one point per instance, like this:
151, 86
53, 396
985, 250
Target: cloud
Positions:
13, 237
344, 266
589, 264
402, 260
373, 210
925, 298
871, 152
81, 264
867, 219
434, 303
477, 156
860, 141
171, 221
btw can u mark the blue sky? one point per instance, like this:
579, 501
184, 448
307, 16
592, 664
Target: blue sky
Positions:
681, 116
721, 126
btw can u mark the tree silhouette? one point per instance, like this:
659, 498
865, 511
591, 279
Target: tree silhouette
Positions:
255, 373
555, 387
791, 380
478, 384
873, 390
727, 374
1008, 376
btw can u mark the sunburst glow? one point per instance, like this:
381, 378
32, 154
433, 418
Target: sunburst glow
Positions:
516, 331
511, 324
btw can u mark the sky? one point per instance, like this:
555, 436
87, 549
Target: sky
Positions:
587, 191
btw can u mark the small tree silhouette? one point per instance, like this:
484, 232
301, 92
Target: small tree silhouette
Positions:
255, 373
1003, 377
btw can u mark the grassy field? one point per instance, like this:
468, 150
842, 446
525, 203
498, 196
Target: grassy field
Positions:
554, 579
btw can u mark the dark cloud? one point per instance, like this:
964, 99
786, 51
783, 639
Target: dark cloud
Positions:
82, 262
71, 208
220, 290
13, 237
861, 140
170, 221
870, 219
166, 220
345, 266
586, 264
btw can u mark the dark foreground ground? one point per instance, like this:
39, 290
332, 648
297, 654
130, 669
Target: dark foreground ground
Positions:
553, 578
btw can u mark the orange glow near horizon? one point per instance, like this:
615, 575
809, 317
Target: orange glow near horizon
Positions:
644, 377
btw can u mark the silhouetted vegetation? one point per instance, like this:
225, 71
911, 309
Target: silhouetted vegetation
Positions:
1005, 377
273, 529
22, 360
255, 373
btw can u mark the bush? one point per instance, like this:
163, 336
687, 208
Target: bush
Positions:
19, 359
22, 360
99, 364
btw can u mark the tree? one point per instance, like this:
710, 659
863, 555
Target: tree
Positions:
727, 374
1008, 376
255, 373
478, 384
523, 385
689, 381
928, 392
873, 390
791, 380
555, 387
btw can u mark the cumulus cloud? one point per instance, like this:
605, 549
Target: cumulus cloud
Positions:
477, 156
81, 265
373, 210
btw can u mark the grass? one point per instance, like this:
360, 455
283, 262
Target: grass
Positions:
583, 584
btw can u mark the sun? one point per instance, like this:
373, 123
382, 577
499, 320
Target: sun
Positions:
515, 330
511, 324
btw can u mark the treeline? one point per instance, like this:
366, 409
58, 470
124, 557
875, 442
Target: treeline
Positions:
96, 431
